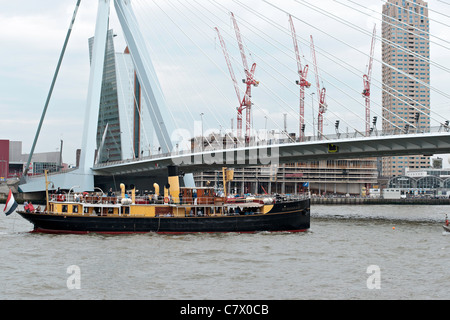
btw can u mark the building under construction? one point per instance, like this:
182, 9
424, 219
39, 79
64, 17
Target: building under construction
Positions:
320, 177
348, 176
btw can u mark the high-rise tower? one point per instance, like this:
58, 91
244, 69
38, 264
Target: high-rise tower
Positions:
124, 127
406, 76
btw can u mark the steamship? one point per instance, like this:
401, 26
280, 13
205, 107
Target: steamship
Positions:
178, 210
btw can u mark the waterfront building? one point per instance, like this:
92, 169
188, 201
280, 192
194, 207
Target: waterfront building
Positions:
429, 181
13, 161
318, 177
406, 76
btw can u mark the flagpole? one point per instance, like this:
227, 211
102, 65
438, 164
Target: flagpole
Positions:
46, 189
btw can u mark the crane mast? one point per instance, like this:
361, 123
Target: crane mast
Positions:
367, 78
230, 67
249, 81
302, 72
233, 78
321, 93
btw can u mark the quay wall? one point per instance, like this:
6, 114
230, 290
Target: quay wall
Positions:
376, 201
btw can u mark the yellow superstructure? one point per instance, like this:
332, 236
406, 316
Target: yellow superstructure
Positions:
183, 202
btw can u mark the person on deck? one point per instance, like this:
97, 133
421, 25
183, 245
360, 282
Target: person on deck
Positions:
29, 207
110, 192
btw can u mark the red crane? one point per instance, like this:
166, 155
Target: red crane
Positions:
320, 93
367, 80
249, 81
245, 103
303, 72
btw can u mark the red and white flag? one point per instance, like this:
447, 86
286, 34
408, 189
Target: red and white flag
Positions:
11, 204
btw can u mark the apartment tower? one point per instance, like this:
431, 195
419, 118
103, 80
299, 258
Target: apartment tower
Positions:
406, 77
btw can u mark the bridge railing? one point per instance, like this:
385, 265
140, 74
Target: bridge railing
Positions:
225, 143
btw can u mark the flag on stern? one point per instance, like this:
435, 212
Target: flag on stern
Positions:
11, 204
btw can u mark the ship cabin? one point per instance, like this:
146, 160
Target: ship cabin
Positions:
176, 201
191, 202
199, 195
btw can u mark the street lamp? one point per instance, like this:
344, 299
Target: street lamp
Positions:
374, 122
265, 128
336, 126
201, 116
312, 108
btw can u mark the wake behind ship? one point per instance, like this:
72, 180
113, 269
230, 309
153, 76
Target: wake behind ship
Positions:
179, 210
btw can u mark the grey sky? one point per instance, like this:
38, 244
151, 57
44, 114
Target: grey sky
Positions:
189, 60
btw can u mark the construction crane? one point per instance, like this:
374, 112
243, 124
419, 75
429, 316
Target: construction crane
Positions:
367, 78
230, 68
246, 101
249, 81
303, 72
320, 93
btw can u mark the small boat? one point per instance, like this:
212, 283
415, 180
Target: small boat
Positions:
179, 210
446, 225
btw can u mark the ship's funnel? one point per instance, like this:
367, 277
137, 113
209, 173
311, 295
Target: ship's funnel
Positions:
156, 186
174, 183
133, 194
122, 189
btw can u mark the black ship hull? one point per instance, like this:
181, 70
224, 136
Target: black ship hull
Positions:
290, 216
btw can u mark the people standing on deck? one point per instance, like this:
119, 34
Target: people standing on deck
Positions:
29, 207
111, 196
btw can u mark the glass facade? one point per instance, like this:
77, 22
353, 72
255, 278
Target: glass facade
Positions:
427, 182
137, 117
108, 116
40, 167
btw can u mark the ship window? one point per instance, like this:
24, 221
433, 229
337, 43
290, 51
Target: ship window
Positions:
75, 209
64, 208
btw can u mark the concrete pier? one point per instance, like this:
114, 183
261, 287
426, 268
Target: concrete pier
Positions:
374, 201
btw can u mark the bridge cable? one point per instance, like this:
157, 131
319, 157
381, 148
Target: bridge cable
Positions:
145, 61
342, 83
403, 73
392, 67
187, 52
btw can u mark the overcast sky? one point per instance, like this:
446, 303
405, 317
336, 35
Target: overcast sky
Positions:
191, 67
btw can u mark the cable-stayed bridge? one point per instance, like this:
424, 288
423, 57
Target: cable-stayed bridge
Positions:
279, 152
264, 153
406, 137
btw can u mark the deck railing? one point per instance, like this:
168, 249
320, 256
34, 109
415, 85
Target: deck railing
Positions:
151, 199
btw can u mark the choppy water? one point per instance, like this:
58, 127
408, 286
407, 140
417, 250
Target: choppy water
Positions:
329, 261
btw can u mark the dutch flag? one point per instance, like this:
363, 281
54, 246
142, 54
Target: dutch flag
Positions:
11, 204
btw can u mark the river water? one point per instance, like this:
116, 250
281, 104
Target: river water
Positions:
350, 252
